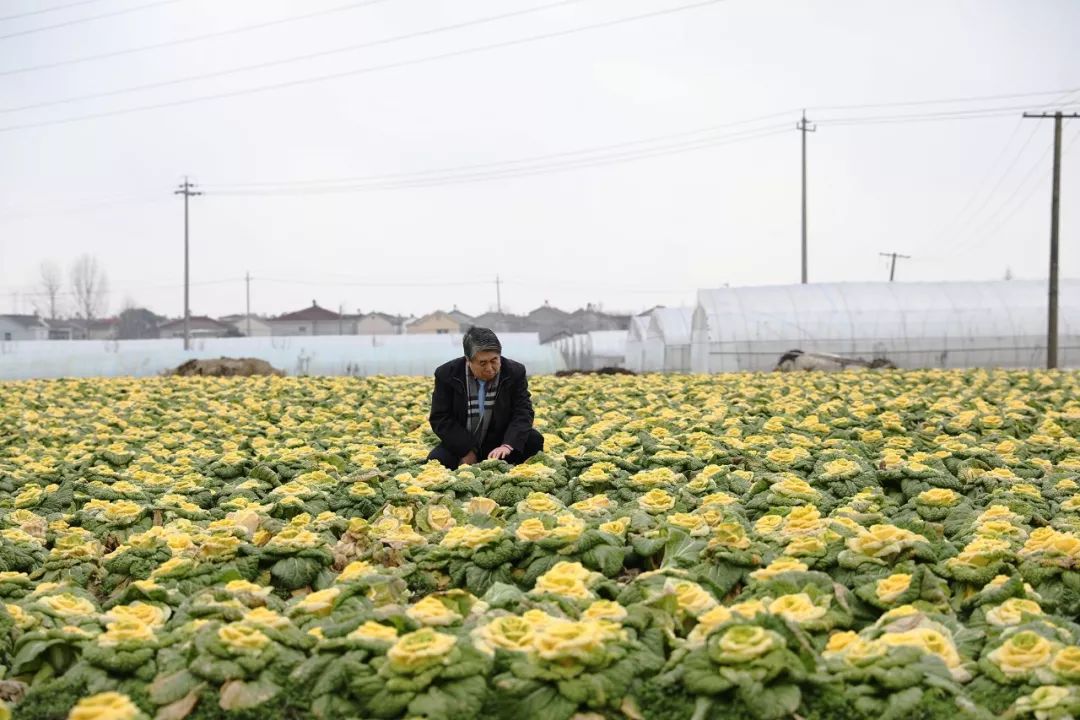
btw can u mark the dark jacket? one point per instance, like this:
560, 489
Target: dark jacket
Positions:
511, 417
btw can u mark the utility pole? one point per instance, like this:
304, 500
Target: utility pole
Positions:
892, 266
498, 294
341, 319
247, 316
1055, 209
804, 128
187, 191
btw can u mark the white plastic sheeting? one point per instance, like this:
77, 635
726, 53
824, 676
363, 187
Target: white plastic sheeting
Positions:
635, 342
356, 355
668, 340
605, 348
593, 350
946, 324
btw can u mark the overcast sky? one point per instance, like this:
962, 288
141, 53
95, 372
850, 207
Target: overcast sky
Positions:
603, 164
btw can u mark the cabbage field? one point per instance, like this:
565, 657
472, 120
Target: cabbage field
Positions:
816, 546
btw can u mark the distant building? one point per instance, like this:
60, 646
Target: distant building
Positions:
463, 319
137, 324
23, 327
501, 322
254, 326
592, 319
199, 326
548, 317
80, 329
436, 323
312, 320
378, 323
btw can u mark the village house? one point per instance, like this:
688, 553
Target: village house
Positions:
23, 327
310, 321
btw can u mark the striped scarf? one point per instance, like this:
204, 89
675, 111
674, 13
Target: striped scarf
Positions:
478, 424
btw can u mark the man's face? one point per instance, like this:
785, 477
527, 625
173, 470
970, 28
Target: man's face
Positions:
485, 365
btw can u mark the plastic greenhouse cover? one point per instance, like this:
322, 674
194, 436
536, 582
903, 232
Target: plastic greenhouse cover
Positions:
842, 311
607, 343
358, 355
672, 325
953, 324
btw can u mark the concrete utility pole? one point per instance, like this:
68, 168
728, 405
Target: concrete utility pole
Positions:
247, 315
892, 266
1055, 210
498, 294
804, 128
186, 189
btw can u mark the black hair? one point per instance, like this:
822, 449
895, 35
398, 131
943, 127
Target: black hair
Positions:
478, 339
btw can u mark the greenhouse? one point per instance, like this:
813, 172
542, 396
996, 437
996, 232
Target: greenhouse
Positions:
356, 355
915, 325
667, 343
604, 348
635, 342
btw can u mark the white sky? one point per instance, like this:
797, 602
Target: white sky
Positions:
967, 199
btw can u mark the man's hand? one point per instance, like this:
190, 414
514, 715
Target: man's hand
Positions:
469, 459
500, 452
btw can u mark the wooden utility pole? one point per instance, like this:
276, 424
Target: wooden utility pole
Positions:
1055, 210
892, 266
804, 128
247, 316
187, 190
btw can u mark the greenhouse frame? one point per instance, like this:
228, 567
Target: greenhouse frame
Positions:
668, 340
635, 342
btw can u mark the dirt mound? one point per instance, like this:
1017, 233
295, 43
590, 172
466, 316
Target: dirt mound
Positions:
601, 371
227, 367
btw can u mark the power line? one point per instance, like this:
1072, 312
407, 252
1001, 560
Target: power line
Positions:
973, 236
77, 210
91, 18
970, 114
448, 176
941, 233
66, 293
54, 8
978, 240
361, 283
528, 159
942, 101
188, 40
936, 239
512, 172
367, 70
292, 59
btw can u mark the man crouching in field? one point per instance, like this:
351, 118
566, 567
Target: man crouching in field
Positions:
481, 406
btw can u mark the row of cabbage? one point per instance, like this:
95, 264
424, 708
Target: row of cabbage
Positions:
759, 546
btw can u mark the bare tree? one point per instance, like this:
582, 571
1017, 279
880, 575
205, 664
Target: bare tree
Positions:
52, 280
89, 286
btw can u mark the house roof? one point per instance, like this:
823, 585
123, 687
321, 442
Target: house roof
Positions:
548, 310
392, 319
238, 317
96, 323
310, 314
460, 316
435, 315
497, 317
196, 320
27, 321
